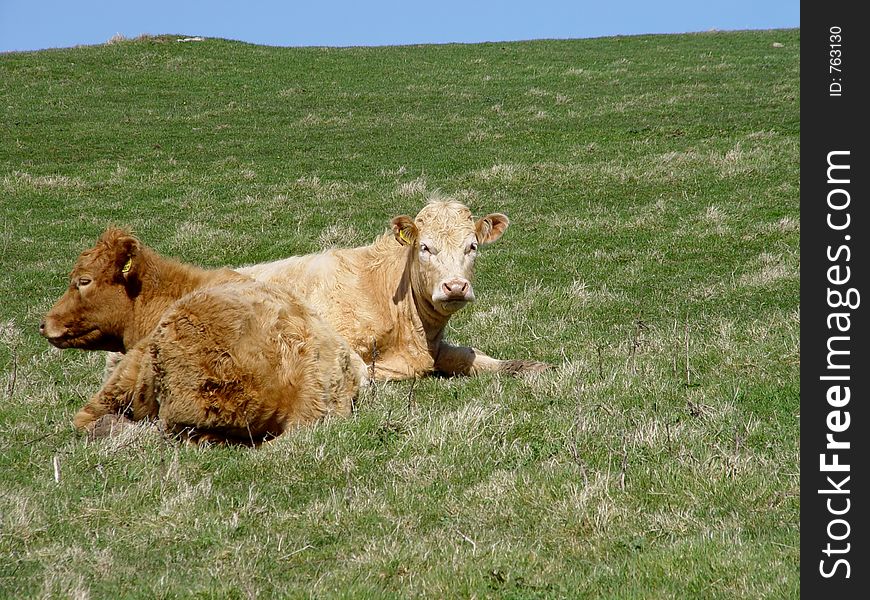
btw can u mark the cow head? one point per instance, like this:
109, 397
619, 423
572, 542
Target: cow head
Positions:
98, 303
444, 238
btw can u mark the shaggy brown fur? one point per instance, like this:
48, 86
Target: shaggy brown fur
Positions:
215, 355
392, 300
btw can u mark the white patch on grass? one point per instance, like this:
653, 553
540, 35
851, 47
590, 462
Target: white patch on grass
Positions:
502, 173
17, 517
310, 119
311, 182
466, 196
714, 220
784, 225
129, 437
339, 235
314, 119
732, 162
591, 500
184, 499
466, 423
10, 334
714, 215
397, 172
500, 486
488, 318
325, 191
588, 294
176, 63
480, 135
579, 288
762, 135
415, 187
63, 583
118, 175
476, 135
20, 179
198, 236
768, 269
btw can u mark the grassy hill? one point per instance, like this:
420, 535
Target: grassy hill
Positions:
653, 188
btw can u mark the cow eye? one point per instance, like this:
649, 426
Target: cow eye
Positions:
472, 247
84, 281
424, 249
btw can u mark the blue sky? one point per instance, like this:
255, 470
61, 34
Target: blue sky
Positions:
36, 24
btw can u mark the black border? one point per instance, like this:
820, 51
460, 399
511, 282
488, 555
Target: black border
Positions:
830, 123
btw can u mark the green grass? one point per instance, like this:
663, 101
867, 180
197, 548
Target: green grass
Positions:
652, 183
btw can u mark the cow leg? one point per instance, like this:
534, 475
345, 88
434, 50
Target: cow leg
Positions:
462, 360
129, 390
389, 370
521, 366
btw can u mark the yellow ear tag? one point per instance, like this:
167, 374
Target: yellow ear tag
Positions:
126, 268
404, 237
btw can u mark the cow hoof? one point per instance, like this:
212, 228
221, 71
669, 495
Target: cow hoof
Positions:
523, 367
107, 426
84, 420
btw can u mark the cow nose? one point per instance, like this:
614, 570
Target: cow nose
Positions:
455, 288
42, 328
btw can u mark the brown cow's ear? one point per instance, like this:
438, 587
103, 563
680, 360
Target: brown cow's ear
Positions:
404, 230
127, 259
127, 252
131, 269
490, 227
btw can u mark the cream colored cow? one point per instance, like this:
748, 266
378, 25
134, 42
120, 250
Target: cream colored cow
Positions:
391, 300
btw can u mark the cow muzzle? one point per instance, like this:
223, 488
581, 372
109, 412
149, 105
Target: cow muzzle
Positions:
456, 289
54, 333
453, 294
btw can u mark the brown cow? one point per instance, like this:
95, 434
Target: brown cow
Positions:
391, 300
214, 354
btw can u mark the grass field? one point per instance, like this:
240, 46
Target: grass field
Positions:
652, 183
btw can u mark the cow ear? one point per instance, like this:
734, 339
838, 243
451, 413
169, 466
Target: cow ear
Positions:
126, 253
130, 265
404, 230
490, 227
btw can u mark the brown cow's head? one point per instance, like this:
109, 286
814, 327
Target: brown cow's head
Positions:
444, 237
93, 312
